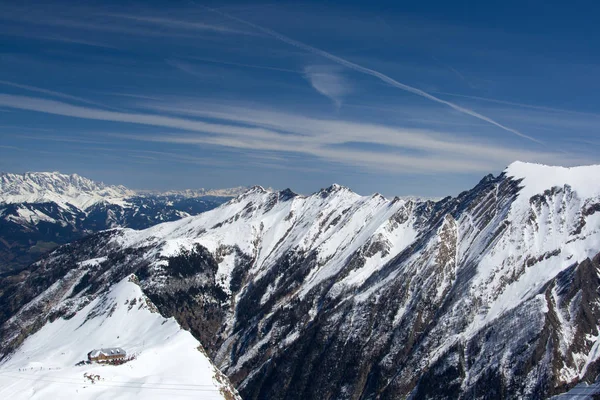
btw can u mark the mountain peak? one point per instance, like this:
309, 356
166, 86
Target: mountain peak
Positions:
536, 178
523, 167
334, 188
287, 194
256, 189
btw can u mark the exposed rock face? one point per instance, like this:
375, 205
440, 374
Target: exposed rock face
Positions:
492, 294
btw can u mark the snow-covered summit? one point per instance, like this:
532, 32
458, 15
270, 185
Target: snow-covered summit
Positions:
537, 178
62, 189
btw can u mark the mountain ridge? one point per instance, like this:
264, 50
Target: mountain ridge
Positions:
492, 293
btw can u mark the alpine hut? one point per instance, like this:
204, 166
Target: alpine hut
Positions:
107, 355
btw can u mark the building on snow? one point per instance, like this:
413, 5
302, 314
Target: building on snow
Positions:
107, 354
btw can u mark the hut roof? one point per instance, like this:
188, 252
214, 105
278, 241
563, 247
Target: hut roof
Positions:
109, 351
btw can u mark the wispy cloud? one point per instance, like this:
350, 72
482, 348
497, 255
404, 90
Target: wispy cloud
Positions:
130, 95
130, 20
69, 110
376, 74
57, 38
328, 81
244, 65
332, 132
181, 24
255, 129
51, 93
25, 128
192, 69
103, 149
516, 104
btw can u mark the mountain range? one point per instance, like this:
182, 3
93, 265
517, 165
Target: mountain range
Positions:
41, 210
493, 293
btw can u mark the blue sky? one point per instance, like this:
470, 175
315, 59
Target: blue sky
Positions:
419, 98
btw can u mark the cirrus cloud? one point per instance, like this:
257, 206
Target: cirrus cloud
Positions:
359, 144
328, 81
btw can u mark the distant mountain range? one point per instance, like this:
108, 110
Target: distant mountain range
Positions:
62, 189
41, 210
494, 293
190, 193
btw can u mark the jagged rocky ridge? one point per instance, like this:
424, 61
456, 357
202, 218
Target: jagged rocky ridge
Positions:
491, 294
41, 210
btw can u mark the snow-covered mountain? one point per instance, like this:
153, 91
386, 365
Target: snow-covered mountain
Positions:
75, 190
166, 361
491, 294
191, 193
64, 190
40, 210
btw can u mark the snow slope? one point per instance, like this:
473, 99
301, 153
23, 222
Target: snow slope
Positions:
169, 362
544, 224
538, 177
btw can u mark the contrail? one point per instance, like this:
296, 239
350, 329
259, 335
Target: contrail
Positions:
372, 72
